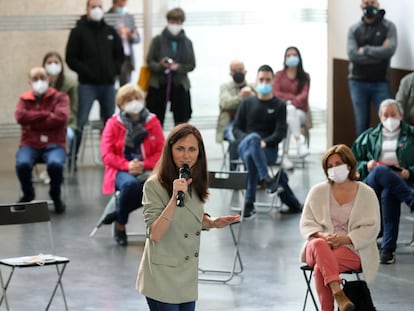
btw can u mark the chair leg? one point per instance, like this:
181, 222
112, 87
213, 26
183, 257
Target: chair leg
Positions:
4, 289
58, 284
308, 280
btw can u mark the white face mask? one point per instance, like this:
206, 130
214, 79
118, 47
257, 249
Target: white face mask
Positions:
134, 107
391, 124
96, 14
174, 28
40, 87
338, 174
53, 69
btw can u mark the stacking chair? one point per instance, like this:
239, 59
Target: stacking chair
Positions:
109, 208
308, 273
23, 214
236, 182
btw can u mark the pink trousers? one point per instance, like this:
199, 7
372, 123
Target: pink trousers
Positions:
327, 264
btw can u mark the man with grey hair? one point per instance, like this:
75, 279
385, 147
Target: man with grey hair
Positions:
385, 162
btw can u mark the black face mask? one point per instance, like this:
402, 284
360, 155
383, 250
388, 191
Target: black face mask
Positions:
238, 77
370, 11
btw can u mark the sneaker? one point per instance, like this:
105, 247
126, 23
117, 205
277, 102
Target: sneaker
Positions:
387, 257
26, 198
287, 164
60, 206
271, 184
249, 210
292, 210
121, 237
303, 150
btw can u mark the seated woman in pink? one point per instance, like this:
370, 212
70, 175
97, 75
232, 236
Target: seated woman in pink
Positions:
292, 85
131, 145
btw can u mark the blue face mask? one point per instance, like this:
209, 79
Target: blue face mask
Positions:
264, 88
121, 10
292, 61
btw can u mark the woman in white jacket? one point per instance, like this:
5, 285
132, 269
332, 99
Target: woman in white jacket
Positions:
340, 222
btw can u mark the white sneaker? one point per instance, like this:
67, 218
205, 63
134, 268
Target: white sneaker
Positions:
44, 176
287, 164
303, 150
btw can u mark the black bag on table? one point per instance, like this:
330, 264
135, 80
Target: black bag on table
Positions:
358, 292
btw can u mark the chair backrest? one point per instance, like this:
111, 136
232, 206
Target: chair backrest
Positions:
228, 180
28, 213
24, 213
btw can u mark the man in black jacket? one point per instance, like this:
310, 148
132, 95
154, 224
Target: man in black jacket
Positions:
94, 52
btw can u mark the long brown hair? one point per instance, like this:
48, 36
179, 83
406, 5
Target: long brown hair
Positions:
59, 80
168, 172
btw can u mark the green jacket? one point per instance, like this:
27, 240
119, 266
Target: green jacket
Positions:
70, 87
368, 147
405, 96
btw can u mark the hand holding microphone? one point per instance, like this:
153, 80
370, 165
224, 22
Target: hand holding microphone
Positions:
185, 173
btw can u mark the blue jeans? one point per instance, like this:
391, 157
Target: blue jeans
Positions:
391, 191
228, 136
256, 159
87, 94
155, 305
53, 156
130, 195
362, 94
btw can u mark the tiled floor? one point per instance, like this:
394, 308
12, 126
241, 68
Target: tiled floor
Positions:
101, 275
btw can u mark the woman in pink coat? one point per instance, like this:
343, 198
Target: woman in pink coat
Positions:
131, 145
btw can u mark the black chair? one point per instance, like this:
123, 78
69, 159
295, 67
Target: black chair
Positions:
308, 273
236, 182
30, 213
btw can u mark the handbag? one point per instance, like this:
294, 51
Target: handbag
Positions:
358, 292
144, 78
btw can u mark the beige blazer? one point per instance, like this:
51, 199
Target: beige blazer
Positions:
363, 226
168, 271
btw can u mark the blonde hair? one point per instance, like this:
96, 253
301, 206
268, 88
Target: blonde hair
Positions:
127, 91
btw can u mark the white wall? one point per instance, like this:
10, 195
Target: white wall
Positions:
343, 13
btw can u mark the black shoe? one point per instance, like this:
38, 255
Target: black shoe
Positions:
60, 206
387, 256
249, 210
292, 210
411, 206
271, 184
109, 218
26, 198
121, 237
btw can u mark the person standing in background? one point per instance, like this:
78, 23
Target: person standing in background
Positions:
292, 85
405, 96
170, 58
119, 18
94, 51
231, 95
371, 44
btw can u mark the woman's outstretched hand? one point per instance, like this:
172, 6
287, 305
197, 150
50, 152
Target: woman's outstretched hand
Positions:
223, 221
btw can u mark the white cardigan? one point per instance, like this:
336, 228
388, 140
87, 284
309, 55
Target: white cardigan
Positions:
363, 227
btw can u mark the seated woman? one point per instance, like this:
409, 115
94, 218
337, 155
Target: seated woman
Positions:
53, 63
292, 85
340, 222
386, 163
131, 144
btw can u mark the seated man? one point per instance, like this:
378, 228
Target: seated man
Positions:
231, 94
43, 114
386, 163
259, 126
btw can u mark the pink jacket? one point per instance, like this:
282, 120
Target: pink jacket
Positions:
43, 122
113, 143
286, 89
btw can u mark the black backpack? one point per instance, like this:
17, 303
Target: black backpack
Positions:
358, 292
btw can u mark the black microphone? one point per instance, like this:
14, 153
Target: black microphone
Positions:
183, 173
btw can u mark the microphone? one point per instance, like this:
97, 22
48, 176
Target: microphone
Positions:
183, 173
